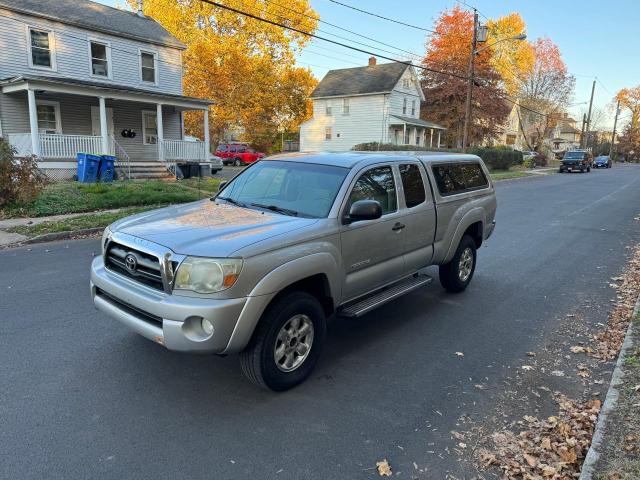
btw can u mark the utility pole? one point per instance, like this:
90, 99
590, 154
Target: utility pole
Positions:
593, 88
613, 135
467, 114
584, 122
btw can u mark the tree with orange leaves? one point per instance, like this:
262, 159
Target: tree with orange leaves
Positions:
629, 98
545, 92
512, 59
448, 51
247, 67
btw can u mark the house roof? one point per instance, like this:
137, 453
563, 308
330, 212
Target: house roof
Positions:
568, 129
97, 17
381, 78
418, 122
99, 86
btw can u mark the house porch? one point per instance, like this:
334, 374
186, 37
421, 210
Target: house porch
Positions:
414, 131
54, 119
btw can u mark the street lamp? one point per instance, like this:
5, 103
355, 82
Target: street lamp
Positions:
479, 34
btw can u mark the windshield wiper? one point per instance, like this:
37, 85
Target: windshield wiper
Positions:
275, 208
230, 200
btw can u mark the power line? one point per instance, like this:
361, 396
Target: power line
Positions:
383, 17
312, 35
343, 29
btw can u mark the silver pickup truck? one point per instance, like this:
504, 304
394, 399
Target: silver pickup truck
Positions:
287, 243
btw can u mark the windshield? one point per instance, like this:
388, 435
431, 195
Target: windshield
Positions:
602, 159
302, 189
573, 156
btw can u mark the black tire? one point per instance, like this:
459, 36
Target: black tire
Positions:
238, 163
450, 277
588, 169
258, 359
560, 171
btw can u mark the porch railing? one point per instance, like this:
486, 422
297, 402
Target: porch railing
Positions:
56, 146
123, 160
174, 150
66, 146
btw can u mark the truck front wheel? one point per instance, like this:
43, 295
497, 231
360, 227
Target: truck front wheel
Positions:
287, 342
456, 274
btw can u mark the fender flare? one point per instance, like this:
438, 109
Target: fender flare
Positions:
273, 283
472, 216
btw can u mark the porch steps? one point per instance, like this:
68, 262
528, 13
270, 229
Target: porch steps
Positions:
145, 171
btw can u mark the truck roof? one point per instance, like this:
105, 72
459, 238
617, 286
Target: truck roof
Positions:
351, 159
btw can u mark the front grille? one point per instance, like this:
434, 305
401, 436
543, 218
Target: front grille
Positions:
147, 267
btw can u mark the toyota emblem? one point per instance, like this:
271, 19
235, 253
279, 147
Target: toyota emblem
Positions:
131, 262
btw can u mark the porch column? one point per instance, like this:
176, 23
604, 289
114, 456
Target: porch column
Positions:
431, 141
439, 132
404, 134
33, 123
104, 130
205, 125
160, 132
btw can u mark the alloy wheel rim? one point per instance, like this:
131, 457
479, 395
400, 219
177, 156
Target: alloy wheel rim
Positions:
293, 343
465, 265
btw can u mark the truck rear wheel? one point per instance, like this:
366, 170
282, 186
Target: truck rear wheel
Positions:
457, 274
238, 163
286, 344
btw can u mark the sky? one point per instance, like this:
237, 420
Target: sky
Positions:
597, 39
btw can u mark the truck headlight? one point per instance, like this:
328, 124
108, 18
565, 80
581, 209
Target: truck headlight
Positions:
207, 275
106, 234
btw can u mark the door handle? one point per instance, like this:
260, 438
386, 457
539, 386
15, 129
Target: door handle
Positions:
398, 226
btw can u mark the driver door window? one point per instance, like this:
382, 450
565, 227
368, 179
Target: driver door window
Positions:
376, 184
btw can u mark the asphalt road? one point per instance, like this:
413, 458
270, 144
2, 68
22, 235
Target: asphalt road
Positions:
83, 397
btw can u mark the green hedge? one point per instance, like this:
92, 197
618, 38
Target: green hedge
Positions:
500, 158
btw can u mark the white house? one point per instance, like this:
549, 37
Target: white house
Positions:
78, 76
376, 103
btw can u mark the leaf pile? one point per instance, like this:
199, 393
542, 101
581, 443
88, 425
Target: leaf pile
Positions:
550, 449
607, 343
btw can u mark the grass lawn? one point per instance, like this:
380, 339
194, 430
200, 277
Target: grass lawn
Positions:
74, 197
507, 174
94, 220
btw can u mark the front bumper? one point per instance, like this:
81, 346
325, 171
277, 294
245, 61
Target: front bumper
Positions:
170, 320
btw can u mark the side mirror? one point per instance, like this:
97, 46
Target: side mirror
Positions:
221, 186
363, 210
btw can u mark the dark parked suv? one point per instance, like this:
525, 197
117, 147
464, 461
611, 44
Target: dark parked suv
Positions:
576, 161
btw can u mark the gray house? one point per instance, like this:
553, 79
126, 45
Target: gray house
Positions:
78, 76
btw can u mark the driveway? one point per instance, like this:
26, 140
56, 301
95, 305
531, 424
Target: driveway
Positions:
83, 397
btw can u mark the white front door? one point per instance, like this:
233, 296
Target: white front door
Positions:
95, 124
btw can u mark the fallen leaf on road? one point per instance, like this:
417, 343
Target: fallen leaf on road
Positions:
636, 388
546, 443
527, 367
532, 461
460, 354
557, 373
384, 469
531, 354
577, 349
570, 315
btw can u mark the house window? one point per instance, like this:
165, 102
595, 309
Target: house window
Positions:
100, 59
405, 82
327, 133
327, 108
417, 137
148, 67
41, 52
345, 106
149, 128
404, 106
413, 108
48, 117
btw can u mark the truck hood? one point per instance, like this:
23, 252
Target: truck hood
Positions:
208, 229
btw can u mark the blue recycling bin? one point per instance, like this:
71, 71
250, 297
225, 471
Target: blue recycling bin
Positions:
88, 166
107, 169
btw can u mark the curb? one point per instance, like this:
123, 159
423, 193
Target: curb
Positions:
590, 460
51, 237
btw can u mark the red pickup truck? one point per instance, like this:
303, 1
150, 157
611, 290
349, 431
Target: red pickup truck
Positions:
237, 154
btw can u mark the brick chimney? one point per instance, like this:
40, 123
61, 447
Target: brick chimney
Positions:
139, 12
372, 61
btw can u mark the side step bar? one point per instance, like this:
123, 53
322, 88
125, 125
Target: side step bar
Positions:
383, 296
